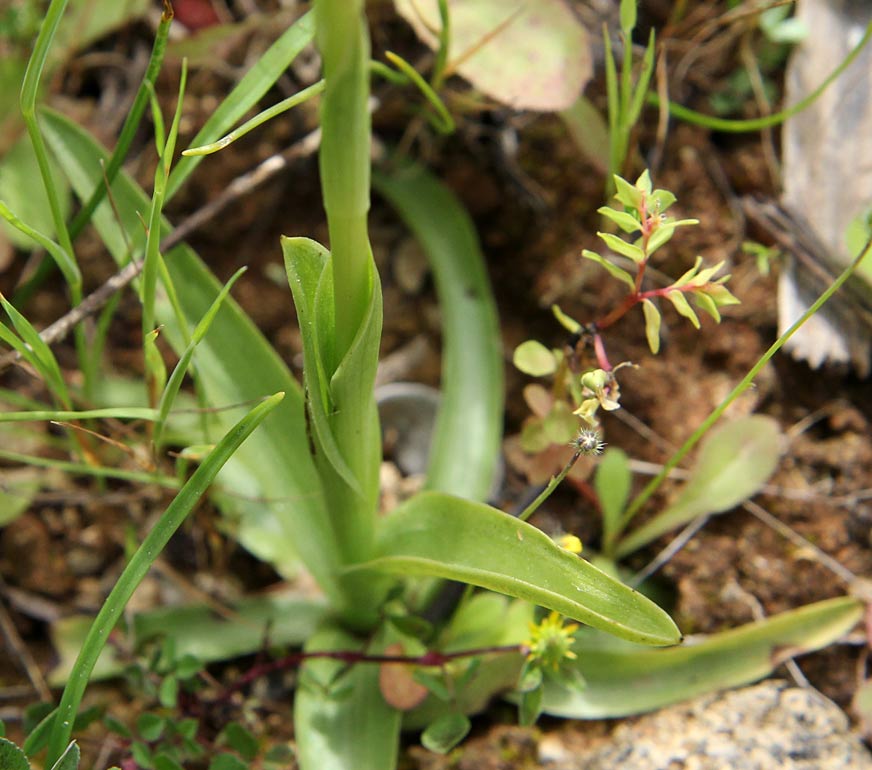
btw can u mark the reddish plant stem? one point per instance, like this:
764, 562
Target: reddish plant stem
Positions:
429, 658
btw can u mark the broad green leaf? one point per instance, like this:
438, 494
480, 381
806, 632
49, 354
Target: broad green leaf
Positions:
735, 460
228, 762
560, 425
612, 484
22, 190
445, 733
438, 535
284, 513
469, 427
620, 246
531, 54
197, 631
342, 410
624, 679
652, 325
643, 183
11, 757
614, 270
85, 23
659, 237
533, 358
530, 706
341, 719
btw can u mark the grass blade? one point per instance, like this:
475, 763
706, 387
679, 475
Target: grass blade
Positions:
139, 565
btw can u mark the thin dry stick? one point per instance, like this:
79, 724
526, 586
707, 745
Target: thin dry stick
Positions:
17, 646
239, 187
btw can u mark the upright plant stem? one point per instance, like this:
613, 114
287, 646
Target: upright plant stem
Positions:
349, 351
343, 40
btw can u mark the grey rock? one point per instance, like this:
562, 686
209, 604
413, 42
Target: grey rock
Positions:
769, 726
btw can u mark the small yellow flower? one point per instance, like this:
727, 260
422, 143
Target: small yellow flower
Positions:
570, 543
550, 642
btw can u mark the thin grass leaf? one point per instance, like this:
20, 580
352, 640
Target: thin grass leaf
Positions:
58, 415
27, 100
284, 513
81, 469
175, 381
257, 81
131, 122
641, 90
138, 567
39, 354
148, 282
64, 261
258, 120
443, 123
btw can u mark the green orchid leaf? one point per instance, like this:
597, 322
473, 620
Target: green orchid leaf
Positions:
341, 719
22, 189
284, 513
472, 358
612, 484
437, 535
341, 405
734, 462
624, 679
197, 631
